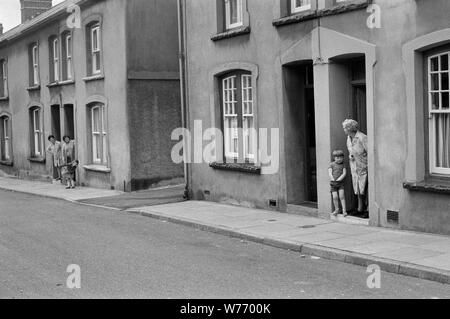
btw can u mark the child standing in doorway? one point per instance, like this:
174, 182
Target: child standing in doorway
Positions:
337, 173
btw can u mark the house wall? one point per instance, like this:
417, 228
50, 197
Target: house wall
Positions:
269, 48
154, 109
111, 90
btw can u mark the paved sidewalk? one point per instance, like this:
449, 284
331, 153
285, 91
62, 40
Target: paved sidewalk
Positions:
413, 254
54, 190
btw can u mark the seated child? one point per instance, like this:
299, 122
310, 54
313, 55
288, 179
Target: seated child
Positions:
68, 173
337, 173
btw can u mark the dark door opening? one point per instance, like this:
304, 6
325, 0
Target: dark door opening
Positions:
69, 121
359, 106
310, 133
300, 135
56, 122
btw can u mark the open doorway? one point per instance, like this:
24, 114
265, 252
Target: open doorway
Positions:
349, 101
300, 135
56, 122
69, 121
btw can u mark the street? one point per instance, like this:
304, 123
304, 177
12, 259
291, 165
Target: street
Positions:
122, 255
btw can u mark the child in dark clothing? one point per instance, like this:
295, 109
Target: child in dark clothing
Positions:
337, 173
68, 172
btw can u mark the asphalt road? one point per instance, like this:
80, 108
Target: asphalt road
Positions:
130, 256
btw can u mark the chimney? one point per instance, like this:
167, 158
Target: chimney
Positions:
1, 29
32, 8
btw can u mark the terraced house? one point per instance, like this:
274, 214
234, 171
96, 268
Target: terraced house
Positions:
104, 73
304, 66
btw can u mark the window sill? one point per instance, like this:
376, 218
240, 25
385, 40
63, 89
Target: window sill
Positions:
97, 77
245, 168
351, 5
34, 88
4, 98
62, 83
6, 163
231, 33
39, 159
97, 168
432, 186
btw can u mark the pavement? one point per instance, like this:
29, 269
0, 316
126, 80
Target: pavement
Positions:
419, 255
123, 255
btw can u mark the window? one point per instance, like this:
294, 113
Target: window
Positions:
94, 49
5, 138
37, 133
439, 113
300, 5
233, 13
67, 57
54, 60
3, 79
34, 65
238, 117
99, 135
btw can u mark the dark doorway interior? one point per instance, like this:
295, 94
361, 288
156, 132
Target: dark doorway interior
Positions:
300, 132
358, 81
69, 121
56, 122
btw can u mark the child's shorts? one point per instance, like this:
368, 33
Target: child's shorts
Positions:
335, 187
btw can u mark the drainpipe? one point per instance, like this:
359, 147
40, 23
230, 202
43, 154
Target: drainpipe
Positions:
183, 84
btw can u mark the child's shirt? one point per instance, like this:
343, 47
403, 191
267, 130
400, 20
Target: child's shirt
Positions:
337, 170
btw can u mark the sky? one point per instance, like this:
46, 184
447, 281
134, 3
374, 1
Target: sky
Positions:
10, 13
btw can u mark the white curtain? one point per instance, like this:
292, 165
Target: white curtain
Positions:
443, 140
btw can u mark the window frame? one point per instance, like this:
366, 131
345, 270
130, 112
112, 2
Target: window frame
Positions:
34, 63
238, 102
4, 78
55, 59
95, 50
68, 42
99, 135
433, 113
228, 14
5, 138
37, 137
302, 8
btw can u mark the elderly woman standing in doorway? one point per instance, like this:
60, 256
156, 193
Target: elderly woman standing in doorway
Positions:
357, 148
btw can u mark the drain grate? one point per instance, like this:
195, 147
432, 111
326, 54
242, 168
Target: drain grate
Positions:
392, 217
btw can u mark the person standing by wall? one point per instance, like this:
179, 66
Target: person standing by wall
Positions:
55, 150
68, 150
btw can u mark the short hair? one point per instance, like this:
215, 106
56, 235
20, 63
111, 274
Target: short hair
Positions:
351, 125
51, 136
66, 136
338, 153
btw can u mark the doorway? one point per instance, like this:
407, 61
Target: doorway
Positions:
69, 121
56, 122
300, 135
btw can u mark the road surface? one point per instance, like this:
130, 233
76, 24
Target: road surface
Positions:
122, 255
